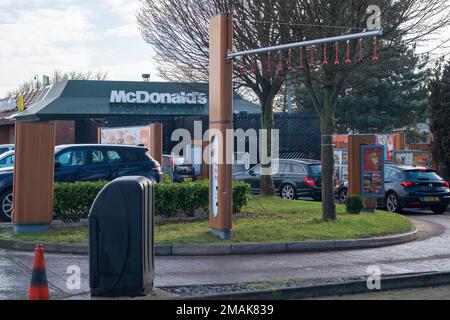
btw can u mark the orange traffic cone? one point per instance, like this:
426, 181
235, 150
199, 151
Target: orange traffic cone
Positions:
39, 285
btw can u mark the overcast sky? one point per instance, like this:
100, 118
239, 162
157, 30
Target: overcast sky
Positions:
39, 36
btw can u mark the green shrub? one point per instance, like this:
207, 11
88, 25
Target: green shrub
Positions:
354, 204
187, 199
241, 195
166, 178
72, 201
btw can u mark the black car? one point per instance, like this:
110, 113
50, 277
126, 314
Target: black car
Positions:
88, 163
410, 187
178, 169
292, 178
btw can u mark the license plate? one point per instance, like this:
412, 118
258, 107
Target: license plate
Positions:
432, 199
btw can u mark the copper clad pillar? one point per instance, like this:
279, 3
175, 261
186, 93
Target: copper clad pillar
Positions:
33, 177
220, 119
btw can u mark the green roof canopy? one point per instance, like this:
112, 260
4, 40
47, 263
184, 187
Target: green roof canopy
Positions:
81, 99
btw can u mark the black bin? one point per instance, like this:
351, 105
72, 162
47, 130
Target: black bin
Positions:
121, 247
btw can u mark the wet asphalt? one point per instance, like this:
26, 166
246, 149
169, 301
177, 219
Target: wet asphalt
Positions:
430, 253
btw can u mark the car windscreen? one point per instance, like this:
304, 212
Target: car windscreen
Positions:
316, 168
180, 161
422, 175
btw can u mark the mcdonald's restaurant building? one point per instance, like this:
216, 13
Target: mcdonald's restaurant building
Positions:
80, 107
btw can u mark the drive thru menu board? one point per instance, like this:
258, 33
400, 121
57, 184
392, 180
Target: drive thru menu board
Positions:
372, 171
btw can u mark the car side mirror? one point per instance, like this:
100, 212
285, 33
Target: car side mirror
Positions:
57, 165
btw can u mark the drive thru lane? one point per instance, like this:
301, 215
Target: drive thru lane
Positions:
428, 254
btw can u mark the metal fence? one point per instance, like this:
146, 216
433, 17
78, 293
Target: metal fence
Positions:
299, 134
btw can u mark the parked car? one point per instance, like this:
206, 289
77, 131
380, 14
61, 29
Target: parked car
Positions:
292, 178
5, 148
342, 191
178, 169
7, 159
88, 163
410, 187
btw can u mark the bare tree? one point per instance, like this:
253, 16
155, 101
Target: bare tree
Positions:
178, 32
59, 76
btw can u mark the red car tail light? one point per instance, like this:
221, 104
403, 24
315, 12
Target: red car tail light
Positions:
408, 184
310, 182
172, 163
446, 184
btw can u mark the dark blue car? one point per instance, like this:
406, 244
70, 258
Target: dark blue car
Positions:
409, 187
88, 163
415, 187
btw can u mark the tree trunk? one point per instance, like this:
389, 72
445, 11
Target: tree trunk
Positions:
267, 122
327, 129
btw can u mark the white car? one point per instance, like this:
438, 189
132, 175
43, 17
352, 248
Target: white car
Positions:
5, 148
7, 159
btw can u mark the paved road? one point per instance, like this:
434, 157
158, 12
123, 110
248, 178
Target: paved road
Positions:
428, 254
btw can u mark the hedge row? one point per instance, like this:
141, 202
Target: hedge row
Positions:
72, 201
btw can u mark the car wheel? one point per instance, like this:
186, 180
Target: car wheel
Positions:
288, 192
392, 203
6, 205
439, 210
342, 196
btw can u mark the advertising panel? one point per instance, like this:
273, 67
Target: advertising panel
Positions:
341, 164
337, 158
215, 176
130, 136
389, 143
387, 140
372, 171
413, 158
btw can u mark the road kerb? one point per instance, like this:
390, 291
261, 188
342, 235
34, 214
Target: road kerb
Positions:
235, 248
